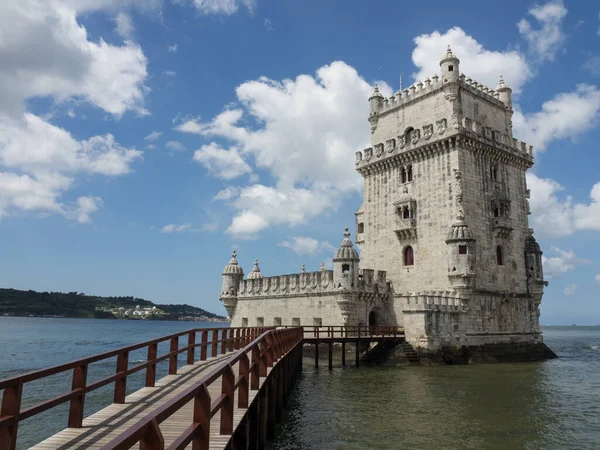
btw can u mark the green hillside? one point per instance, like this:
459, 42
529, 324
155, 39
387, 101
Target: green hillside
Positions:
14, 302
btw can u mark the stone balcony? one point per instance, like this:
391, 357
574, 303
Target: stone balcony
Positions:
502, 226
405, 228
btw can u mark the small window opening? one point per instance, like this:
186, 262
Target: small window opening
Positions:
405, 213
317, 321
277, 321
296, 321
409, 256
499, 256
403, 175
244, 321
409, 176
360, 228
450, 68
462, 249
260, 321
345, 268
496, 211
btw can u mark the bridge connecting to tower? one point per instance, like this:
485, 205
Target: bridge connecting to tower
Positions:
227, 393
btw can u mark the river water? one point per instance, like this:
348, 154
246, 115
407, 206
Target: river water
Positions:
548, 405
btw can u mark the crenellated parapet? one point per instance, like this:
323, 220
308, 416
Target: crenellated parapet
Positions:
431, 301
294, 284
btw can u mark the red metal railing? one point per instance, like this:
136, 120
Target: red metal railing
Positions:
359, 332
11, 413
253, 361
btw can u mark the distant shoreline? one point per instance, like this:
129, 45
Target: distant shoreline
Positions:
22, 316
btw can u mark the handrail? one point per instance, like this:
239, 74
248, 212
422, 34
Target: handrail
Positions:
351, 332
11, 413
265, 350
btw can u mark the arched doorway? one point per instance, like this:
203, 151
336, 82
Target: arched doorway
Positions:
372, 319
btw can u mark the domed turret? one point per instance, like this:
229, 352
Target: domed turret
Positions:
505, 96
461, 253
345, 264
255, 273
233, 274
375, 105
450, 67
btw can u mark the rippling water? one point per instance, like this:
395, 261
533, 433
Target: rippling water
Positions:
548, 405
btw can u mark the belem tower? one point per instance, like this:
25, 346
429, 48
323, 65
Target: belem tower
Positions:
445, 247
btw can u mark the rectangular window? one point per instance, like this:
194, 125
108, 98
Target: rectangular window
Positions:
296, 321
317, 321
450, 68
277, 321
345, 268
244, 321
260, 321
462, 249
360, 228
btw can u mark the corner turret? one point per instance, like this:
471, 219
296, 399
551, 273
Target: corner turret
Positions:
375, 105
450, 67
345, 264
255, 273
232, 275
533, 265
505, 96
461, 254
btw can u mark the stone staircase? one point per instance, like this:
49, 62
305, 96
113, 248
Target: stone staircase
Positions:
396, 349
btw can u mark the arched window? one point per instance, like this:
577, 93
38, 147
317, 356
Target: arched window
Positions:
408, 134
409, 176
496, 211
499, 256
405, 213
409, 256
494, 173
403, 175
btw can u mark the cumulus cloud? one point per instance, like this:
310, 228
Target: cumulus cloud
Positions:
304, 133
172, 48
480, 64
547, 40
175, 146
553, 213
593, 65
566, 115
302, 245
227, 194
174, 228
221, 162
561, 262
226, 7
123, 25
153, 136
39, 161
570, 290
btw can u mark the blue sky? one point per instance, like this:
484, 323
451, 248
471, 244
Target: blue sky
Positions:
142, 140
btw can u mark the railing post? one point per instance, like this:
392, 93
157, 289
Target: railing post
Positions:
237, 344
255, 379
11, 406
227, 389
151, 369
173, 358
202, 417
244, 371
263, 359
215, 343
204, 339
153, 438
223, 341
231, 343
269, 348
76, 404
121, 383
192, 349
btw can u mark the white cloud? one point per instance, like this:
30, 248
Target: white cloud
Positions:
566, 115
587, 217
153, 136
172, 48
123, 25
304, 134
547, 40
226, 7
86, 206
555, 217
598, 278
561, 262
170, 73
174, 228
29, 69
220, 162
227, 194
269, 25
175, 146
593, 65
484, 66
570, 290
307, 246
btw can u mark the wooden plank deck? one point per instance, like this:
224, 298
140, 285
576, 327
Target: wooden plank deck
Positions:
99, 428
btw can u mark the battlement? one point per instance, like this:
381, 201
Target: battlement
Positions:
480, 90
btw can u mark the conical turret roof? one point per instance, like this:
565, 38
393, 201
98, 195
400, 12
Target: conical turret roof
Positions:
346, 250
233, 268
255, 273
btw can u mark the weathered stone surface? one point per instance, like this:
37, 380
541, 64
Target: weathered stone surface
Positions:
444, 220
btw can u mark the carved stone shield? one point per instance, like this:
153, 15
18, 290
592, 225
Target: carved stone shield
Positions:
427, 131
416, 135
401, 141
441, 126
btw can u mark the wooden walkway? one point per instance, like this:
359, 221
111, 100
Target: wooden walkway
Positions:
99, 428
